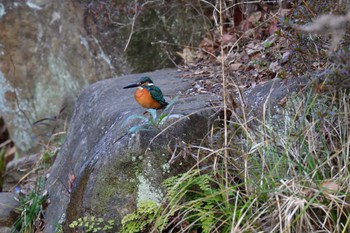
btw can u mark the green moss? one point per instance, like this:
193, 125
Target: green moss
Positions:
112, 183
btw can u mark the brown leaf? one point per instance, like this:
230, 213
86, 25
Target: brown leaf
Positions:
10, 154
255, 17
283, 101
284, 12
318, 88
226, 38
330, 187
187, 55
285, 56
235, 66
274, 66
273, 26
245, 25
71, 179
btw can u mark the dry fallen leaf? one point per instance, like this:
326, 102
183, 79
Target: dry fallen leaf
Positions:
283, 101
318, 88
273, 26
285, 56
284, 12
226, 38
187, 55
10, 154
330, 187
71, 179
235, 66
274, 66
255, 17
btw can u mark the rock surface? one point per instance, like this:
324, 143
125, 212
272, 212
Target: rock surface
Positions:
271, 96
17, 169
157, 30
46, 57
113, 169
8, 206
5, 230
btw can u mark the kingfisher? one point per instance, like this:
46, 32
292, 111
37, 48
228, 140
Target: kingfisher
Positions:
147, 94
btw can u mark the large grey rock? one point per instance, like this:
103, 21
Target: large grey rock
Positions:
8, 209
157, 29
46, 57
5, 229
114, 170
271, 95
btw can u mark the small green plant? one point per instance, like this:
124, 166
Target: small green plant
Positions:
195, 201
59, 229
52, 149
196, 197
49, 156
267, 45
141, 219
150, 123
92, 224
33, 202
31, 209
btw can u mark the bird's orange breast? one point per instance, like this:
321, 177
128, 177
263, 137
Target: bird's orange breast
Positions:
144, 98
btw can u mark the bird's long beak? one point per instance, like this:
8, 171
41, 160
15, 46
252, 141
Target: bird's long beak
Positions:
131, 85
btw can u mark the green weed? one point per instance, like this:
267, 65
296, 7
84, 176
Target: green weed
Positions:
140, 220
92, 224
31, 209
153, 122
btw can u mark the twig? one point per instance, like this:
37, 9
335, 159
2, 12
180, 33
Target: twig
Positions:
5, 143
132, 26
224, 91
137, 12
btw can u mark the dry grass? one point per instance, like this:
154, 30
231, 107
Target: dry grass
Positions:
292, 177
288, 173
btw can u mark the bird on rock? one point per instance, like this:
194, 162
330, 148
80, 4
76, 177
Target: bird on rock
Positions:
147, 94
